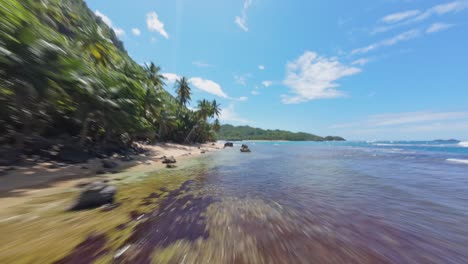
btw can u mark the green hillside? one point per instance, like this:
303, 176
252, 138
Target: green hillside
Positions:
229, 132
66, 77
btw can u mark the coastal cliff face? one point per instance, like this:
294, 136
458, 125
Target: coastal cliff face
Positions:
229, 132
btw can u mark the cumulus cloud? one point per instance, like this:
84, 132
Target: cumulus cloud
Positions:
171, 77
155, 25
136, 31
208, 86
389, 42
436, 27
118, 31
397, 17
229, 115
241, 20
314, 77
261, 67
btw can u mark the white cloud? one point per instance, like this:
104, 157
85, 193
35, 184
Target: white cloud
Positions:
241, 21
361, 62
104, 18
229, 115
404, 119
208, 86
414, 117
397, 17
155, 25
261, 67
389, 42
442, 9
136, 31
201, 64
436, 27
118, 31
267, 83
253, 92
243, 98
171, 77
404, 18
313, 77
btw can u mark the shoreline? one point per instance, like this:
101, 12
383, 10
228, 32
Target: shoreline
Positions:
31, 181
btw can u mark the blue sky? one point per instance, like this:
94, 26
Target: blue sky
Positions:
362, 69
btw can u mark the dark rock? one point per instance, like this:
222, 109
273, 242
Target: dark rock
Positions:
202, 152
53, 166
73, 155
108, 164
126, 158
94, 195
228, 144
100, 172
171, 166
84, 168
169, 160
245, 148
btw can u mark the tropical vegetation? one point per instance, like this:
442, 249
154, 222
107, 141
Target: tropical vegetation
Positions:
229, 132
66, 77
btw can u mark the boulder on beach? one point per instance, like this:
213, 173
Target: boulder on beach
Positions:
168, 160
171, 166
108, 164
228, 144
245, 148
94, 195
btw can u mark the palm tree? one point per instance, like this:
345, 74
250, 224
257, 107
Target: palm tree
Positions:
183, 91
215, 108
154, 76
154, 87
205, 109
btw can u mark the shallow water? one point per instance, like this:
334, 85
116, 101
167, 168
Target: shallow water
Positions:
352, 202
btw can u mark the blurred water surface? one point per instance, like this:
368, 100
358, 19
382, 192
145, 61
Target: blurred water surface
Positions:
400, 202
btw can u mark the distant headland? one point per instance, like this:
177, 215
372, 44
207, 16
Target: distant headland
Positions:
235, 133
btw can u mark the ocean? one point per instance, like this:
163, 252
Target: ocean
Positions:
397, 202
319, 202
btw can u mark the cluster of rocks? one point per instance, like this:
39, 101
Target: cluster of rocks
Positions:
245, 148
229, 144
170, 162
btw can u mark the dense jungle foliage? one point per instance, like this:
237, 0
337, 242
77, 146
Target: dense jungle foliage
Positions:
65, 78
229, 132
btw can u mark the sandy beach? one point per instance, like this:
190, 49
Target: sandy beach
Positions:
23, 183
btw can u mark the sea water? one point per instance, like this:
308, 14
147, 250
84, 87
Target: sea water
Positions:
399, 202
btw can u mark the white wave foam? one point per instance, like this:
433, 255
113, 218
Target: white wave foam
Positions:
463, 144
463, 161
